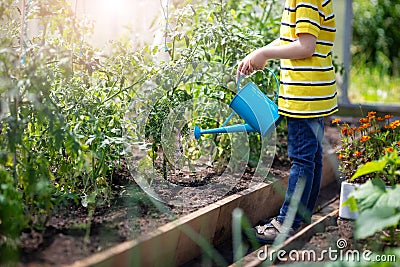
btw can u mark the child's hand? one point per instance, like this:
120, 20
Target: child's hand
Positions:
256, 60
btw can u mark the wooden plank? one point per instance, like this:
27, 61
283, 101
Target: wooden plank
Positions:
172, 244
292, 243
264, 203
224, 229
203, 224
361, 110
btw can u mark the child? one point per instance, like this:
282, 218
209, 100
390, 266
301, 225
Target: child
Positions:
307, 94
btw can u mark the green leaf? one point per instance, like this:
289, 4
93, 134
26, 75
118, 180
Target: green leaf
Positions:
369, 167
368, 194
90, 139
351, 203
376, 219
390, 198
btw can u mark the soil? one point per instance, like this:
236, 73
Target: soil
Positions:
339, 240
336, 237
71, 234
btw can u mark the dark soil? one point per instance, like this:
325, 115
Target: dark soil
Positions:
71, 234
340, 241
343, 230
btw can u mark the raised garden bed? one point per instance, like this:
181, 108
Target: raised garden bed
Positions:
134, 222
64, 240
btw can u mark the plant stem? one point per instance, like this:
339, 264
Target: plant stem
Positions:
392, 236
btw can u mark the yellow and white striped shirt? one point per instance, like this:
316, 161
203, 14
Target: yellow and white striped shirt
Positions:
308, 86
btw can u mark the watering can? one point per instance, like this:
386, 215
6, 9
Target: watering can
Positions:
258, 111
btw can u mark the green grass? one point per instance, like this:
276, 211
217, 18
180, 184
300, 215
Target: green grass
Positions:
371, 85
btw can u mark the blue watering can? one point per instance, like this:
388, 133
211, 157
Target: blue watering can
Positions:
258, 111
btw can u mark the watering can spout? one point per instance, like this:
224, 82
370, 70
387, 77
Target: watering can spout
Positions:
227, 129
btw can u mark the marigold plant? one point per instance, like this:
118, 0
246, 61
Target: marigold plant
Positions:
371, 138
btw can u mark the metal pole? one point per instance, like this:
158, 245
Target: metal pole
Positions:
348, 34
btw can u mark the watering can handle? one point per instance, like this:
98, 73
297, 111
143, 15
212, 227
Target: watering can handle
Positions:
276, 80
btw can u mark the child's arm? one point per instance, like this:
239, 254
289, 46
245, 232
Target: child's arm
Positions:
304, 47
275, 42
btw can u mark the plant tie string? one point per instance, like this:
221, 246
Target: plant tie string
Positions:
80, 54
83, 30
24, 31
166, 17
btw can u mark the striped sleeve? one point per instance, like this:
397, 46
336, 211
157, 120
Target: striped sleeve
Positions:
307, 17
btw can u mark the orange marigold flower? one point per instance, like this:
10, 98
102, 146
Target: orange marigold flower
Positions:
371, 114
393, 125
357, 154
364, 120
347, 131
388, 116
398, 143
340, 156
380, 118
365, 138
388, 149
336, 121
366, 125
350, 132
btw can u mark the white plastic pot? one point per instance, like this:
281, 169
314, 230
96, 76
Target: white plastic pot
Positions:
344, 211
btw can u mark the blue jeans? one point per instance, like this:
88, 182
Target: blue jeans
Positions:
305, 152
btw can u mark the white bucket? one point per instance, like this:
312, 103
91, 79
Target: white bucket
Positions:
344, 211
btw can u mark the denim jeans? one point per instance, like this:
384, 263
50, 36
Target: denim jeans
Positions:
305, 152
